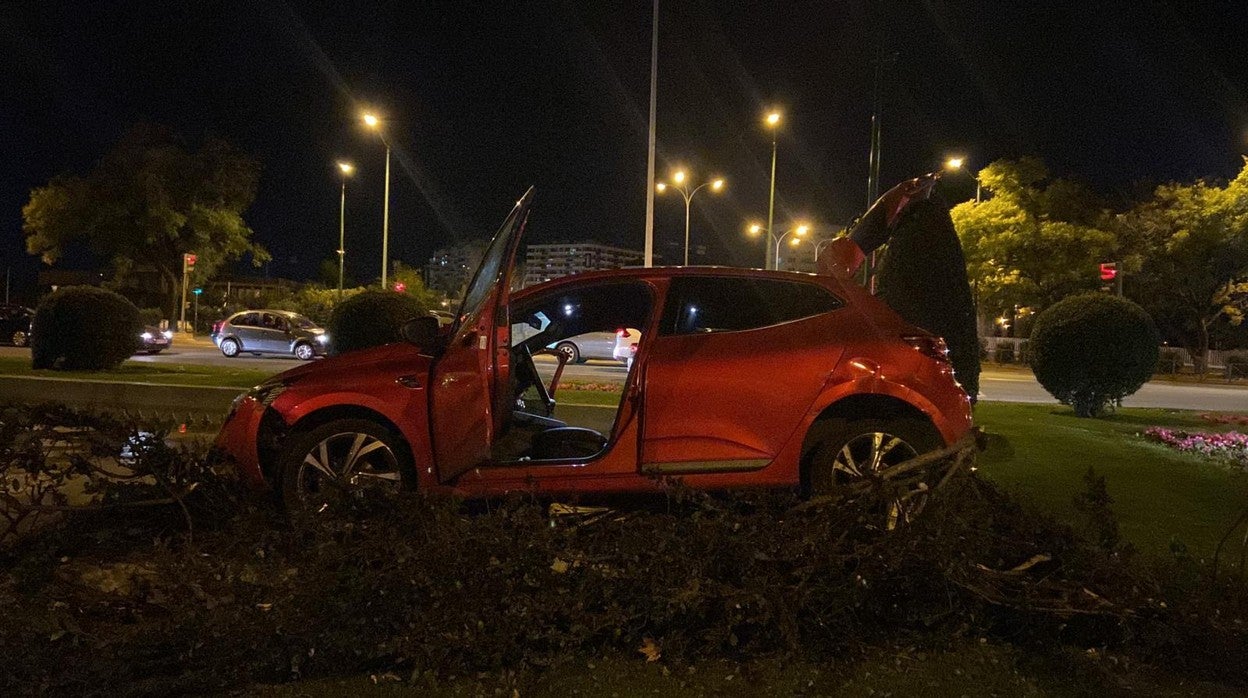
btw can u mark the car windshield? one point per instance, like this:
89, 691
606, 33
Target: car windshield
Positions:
302, 322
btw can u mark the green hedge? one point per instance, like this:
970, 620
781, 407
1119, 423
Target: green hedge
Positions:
370, 319
83, 327
1091, 350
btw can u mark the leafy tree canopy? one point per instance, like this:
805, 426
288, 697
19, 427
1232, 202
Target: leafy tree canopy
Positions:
1194, 242
1036, 240
148, 201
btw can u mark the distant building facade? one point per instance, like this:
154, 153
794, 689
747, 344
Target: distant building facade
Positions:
449, 268
546, 262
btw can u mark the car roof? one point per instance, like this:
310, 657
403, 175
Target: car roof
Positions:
631, 273
287, 313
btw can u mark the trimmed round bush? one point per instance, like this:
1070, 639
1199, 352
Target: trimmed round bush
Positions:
370, 319
83, 327
1092, 350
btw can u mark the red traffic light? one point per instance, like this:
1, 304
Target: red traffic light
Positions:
400, 286
190, 260
1109, 270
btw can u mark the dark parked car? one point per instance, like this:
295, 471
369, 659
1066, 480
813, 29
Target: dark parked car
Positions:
154, 340
270, 332
15, 324
744, 379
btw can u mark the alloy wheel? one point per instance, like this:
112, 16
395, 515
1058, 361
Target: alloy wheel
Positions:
570, 351
229, 347
303, 352
346, 464
865, 456
19, 338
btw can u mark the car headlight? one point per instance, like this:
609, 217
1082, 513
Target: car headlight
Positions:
168, 334
266, 393
146, 336
323, 338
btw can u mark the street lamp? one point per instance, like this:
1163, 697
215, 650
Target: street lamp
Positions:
680, 182
798, 230
955, 163
818, 245
374, 123
345, 168
773, 122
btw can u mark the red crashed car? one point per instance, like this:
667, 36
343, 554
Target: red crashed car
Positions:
741, 379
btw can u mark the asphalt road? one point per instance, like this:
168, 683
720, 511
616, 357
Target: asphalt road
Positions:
1004, 386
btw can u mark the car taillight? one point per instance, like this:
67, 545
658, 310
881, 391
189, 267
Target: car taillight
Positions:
632, 348
621, 333
929, 346
216, 327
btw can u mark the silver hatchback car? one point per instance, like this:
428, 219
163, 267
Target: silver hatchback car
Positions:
270, 332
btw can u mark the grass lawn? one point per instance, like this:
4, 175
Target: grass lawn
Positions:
1043, 451
144, 372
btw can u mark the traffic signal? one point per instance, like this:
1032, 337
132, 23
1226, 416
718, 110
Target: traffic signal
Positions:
190, 260
400, 286
1109, 271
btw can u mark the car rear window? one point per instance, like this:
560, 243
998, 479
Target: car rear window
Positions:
730, 304
247, 320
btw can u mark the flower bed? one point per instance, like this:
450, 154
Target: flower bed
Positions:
1231, 446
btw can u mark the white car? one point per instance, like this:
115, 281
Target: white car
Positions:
620, 345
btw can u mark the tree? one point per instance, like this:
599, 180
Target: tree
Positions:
414, 285
147, 202
1194, 273
1036, 240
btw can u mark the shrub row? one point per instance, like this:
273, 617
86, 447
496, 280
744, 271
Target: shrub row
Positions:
123, 602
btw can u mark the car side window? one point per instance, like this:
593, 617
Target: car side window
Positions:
247, 320
731, 304
604, 307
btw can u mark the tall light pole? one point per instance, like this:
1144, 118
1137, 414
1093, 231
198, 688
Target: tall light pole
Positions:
345, 168
654, 100
955, 163
817, 244
773, 122
374, 123
773, 242
680, 182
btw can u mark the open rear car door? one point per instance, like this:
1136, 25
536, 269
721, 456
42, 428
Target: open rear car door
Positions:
469, 392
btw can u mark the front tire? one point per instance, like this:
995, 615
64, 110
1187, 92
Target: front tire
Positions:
20, 338
304, 351
858, 450
230, 347
339, 460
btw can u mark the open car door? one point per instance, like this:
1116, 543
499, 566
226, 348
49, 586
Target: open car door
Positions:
468, 392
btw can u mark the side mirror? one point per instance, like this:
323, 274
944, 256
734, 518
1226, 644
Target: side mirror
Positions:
421, 331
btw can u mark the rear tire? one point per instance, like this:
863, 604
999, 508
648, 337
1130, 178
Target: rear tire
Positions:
569, 350
20, 338
229, 347
859, 449
342, 459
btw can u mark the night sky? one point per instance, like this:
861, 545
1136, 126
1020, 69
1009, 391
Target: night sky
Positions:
485, 99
